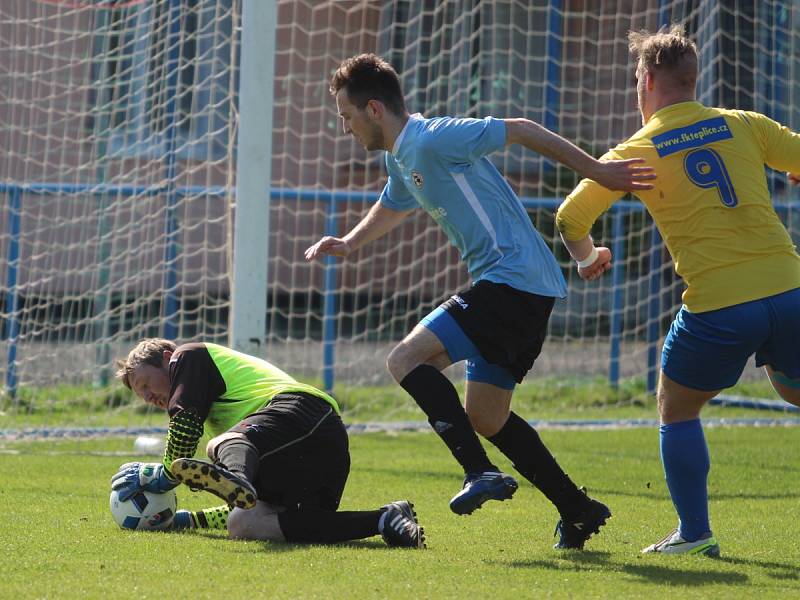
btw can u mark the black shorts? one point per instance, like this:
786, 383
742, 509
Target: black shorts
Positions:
507, 326
304, 450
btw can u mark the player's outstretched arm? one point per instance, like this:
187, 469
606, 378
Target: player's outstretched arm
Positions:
623, 175
592, 261
379, 221
794, 178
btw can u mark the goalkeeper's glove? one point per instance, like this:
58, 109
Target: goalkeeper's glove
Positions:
133, 477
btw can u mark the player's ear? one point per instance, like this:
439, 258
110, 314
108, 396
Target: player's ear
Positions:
375, 109
649, 80
165, 360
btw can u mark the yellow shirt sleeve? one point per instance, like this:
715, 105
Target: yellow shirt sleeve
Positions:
585, 204
724, 236
779, 144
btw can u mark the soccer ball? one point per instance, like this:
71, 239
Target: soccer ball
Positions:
144, 510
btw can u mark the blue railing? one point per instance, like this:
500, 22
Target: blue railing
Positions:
171, 247
334, 200
12, 291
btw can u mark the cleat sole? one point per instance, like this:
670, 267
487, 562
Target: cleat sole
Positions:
421, 529
200, 476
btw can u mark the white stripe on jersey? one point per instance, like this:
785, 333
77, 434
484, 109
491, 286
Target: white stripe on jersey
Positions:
465, 188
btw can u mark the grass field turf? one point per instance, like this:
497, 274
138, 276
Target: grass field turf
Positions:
547, 398
59, 541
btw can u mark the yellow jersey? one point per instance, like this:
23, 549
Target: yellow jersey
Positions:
710, 201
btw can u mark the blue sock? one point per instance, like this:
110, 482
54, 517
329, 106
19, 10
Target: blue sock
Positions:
684, 454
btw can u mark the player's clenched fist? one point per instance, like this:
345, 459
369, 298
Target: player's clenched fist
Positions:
328, 245
601, 264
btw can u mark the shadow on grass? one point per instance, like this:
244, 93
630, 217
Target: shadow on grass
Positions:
274, 547
404, 472
660, 494
776, 570
636, 456
652, 573
369, 544
211, 534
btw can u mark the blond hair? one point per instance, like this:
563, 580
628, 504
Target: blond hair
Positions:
149, 351
667, 51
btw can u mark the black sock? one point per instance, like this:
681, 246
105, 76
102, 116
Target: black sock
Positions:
438, 399
520, 442
239, 455
325, 527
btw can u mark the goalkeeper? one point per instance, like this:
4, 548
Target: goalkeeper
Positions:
498, 325
280, 454
742, 273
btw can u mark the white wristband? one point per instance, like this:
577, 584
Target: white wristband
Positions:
589, 260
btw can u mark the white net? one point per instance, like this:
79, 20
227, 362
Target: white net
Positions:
564, 64
117, 134
118, 123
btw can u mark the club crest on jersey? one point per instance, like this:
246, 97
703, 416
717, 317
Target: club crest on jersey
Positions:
416, 177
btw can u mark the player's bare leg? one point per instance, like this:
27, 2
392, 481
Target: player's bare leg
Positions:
789, 389
419, 347
416, 365
677, 402
487, 406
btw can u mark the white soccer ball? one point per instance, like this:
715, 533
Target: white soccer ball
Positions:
144, 510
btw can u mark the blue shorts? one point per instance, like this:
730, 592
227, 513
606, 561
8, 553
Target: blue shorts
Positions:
459, 347
709, 350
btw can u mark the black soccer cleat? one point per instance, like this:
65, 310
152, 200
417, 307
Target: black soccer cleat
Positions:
400, 526
481, 487
574, 532
200, 475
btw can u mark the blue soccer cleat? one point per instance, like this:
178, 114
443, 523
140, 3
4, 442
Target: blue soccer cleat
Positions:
480, 487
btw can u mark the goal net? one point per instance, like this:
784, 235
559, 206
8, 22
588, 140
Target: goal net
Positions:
118, 121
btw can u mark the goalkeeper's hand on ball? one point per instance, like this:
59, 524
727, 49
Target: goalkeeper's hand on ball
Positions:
133, 477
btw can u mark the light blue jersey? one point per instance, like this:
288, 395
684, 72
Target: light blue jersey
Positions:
441, 165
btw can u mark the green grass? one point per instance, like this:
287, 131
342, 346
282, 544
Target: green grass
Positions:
547, 398
59, 540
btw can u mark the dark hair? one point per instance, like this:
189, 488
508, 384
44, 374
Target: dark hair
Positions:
368, 77
666, 51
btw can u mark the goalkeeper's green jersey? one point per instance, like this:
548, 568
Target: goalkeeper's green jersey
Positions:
212, 388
